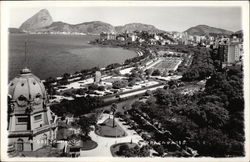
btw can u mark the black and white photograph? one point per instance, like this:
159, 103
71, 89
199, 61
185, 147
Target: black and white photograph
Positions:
124, 80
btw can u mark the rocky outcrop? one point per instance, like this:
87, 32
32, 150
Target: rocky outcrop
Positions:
38, 21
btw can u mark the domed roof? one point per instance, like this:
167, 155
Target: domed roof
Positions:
26, 86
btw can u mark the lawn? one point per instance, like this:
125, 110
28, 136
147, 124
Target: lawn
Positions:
88, 145
115, 148
106, 129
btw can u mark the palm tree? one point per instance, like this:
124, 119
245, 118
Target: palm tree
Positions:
113, 109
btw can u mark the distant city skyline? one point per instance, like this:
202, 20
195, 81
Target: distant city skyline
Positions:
164, 18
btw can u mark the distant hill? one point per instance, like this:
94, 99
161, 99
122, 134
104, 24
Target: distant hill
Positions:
94, 27
137, 26
239, 32
38, 21
207, 30
42, 22
15, 30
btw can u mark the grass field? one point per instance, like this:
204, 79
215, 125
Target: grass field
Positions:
106, 129
88, 145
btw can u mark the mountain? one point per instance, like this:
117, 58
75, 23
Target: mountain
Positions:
239, 32
38, 21
15, 30
207, 30
137, 26
42, 22
94, 27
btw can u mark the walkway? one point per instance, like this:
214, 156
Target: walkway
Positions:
104, 143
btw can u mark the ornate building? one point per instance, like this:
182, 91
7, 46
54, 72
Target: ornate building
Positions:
31, 124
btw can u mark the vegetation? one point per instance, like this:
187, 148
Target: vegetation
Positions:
79, 106
120, 84
88, 145
210, 122
156, 72
106, 129
202, 65
129, 150
85, 143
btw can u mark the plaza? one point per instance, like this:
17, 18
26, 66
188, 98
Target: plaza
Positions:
104, 143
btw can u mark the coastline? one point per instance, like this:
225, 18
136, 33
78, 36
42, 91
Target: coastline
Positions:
62, 63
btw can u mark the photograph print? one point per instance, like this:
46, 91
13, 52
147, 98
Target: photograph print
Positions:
129, 80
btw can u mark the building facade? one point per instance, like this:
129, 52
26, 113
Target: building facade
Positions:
31, 123
230, 53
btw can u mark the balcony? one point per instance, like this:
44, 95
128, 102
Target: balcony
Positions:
20, 133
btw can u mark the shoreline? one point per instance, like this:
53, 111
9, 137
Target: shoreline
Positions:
134, 53
138, 52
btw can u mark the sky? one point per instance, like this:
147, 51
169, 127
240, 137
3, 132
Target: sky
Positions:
164, 18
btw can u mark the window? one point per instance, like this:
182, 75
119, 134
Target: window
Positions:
38, 95
22, 120
38, 117
20, 144
22, 98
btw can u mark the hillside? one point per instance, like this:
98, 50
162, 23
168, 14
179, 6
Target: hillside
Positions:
15, 30
207, 30
42, 22
137, 26
94, 27
38, 21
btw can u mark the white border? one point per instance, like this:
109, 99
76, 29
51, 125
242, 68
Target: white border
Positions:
5, 6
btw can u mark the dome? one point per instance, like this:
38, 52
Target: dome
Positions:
26, 86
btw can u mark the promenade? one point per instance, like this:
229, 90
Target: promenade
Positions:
104, 143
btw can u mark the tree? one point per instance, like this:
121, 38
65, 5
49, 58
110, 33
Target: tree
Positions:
113, 66
85, 123
50, 80
120, 84
66, 75
159, 149
156, 72
164, 97
126, 151
171, 83
148, 93
148, 72
93, 87
101, 88
75, 106
116, 72
74, 140
216, 116
50, 89
144, 151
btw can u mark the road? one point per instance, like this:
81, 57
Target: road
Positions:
131, 93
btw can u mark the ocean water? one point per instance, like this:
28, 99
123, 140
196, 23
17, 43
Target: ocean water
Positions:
53, 55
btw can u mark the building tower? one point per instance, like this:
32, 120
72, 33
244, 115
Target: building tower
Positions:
98, 77
31, 124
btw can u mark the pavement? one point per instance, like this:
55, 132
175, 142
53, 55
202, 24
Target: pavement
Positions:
104, 143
